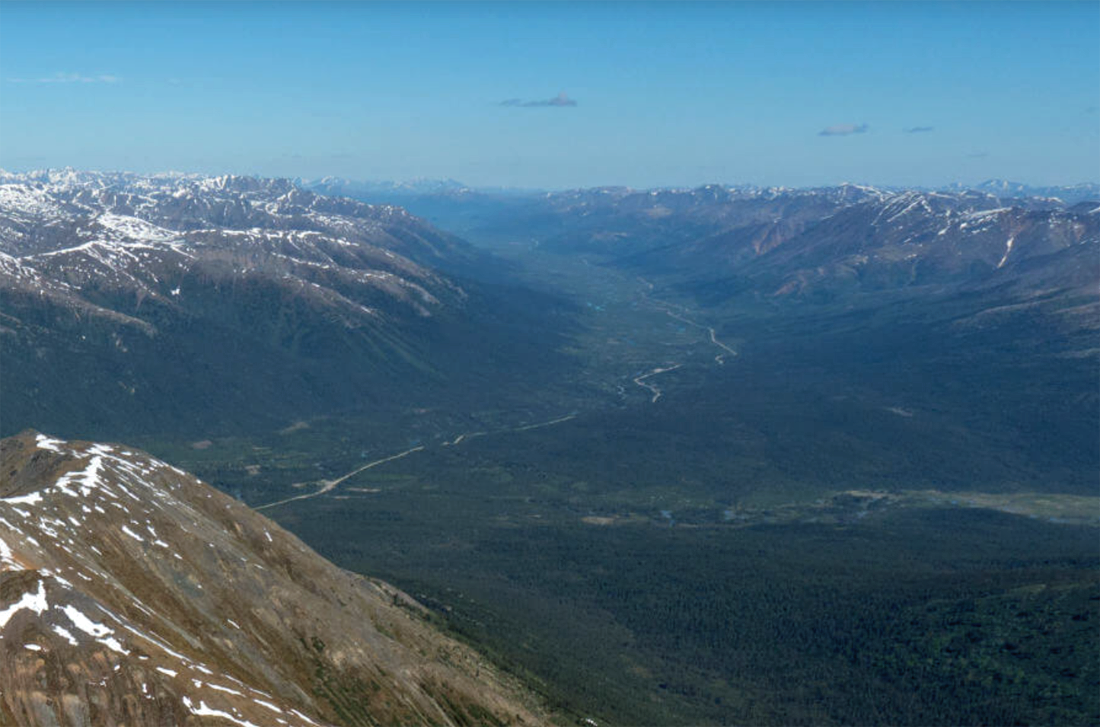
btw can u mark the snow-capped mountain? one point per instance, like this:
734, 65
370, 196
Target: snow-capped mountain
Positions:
133, 593
49, 211
988, 256
784, 241
893, 241
163, 294
1067, 193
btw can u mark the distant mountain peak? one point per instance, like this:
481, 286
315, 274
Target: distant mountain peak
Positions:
1068, 194
417, 185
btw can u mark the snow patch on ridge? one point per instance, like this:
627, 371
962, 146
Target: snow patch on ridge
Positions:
44, 442
1008, 249
29, 601
134, 228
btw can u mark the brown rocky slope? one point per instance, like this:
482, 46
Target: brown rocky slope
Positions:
132, 593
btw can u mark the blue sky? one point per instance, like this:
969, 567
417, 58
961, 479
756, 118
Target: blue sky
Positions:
665, 94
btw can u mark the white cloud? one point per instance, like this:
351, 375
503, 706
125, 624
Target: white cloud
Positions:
69, 78
561, 100
843, 129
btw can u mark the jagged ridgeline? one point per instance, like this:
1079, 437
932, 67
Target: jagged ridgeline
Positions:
136, 304
133, 593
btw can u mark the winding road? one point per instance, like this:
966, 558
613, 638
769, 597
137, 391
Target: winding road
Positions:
330, 485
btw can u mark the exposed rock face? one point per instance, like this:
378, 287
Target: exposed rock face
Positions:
132, 593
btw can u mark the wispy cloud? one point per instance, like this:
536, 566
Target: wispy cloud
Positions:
843, 129
977, 155
560, 100
69, 78
918, 129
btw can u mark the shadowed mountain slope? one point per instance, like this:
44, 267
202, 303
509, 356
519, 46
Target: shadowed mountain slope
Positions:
135, 304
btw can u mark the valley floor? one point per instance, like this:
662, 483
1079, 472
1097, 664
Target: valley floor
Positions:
704, 528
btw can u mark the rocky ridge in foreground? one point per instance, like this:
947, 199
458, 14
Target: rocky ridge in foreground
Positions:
133, 593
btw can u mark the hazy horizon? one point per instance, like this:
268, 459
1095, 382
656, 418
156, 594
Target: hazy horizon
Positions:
505, 188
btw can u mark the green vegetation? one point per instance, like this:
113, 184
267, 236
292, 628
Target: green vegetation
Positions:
764, 593
817, 531
800, 623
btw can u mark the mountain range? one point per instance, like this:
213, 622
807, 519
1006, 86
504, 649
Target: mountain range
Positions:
132, 304
761, 375
182, 301
1000, 242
